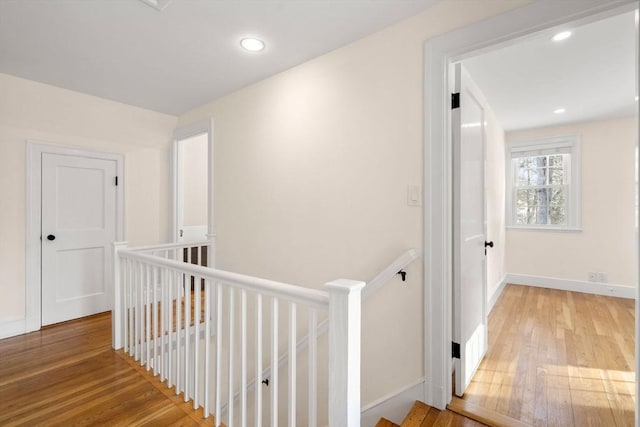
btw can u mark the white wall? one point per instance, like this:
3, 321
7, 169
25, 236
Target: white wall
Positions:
607, 240
43, 113
311, 174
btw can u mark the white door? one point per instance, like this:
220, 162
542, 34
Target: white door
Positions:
470, 318
78, 227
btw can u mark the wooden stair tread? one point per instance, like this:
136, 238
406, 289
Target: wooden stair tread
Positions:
483, 415
386, 423
416, 415
431, 418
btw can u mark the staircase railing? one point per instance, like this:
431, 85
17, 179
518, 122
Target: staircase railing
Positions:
372, 286
205, 331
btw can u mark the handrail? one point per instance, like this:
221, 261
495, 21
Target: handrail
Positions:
388, 273
313, 297
371, 287
167, 246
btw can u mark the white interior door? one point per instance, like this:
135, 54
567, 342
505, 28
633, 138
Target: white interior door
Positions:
470, 313
78, 227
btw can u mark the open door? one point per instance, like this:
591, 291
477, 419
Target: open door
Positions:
469, 232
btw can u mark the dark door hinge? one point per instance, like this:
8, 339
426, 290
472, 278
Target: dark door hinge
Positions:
455, 350
455, 100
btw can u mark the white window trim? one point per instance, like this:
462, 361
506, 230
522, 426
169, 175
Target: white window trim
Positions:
574, 217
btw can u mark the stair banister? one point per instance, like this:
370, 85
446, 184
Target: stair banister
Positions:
370, 288
140, 268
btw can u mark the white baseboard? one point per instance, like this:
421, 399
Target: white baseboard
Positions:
607, 289
496, 294
394, 406
13, 328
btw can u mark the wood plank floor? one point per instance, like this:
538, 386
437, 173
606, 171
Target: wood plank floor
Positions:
559, 358
69, 375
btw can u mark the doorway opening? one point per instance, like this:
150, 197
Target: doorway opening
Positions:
561, 132
192, 184
503, 30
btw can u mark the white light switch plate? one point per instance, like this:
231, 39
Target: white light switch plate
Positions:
414, 195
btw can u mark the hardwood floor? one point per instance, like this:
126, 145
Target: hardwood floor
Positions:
559, 358
69, 375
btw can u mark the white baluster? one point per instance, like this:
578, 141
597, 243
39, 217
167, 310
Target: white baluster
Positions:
179, 353
196, 342
344, 352
313, 368
187, 335
139, 312
164, 313
258, 380
231, 355
292, 365
218, 413
273, 385
207, 344
170, 307
243, 358
147, 328
154, 302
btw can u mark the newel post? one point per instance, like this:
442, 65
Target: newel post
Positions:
344, 352
118, 298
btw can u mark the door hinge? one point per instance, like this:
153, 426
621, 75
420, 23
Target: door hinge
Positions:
116, 181
455, 350
455, 100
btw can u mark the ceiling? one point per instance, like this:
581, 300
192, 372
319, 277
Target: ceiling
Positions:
592, 75
184, 56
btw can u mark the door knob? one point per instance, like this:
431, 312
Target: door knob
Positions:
490, 244
51, 237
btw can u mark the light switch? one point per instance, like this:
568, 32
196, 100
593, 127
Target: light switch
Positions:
414, 195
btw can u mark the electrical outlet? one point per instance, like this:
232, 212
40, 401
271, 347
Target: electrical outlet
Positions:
592, 276
603, 277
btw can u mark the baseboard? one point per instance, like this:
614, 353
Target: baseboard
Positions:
496, 294
394, 406
607, 289
13, 328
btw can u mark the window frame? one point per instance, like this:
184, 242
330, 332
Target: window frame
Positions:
569, 144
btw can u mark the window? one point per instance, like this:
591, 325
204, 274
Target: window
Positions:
543, 187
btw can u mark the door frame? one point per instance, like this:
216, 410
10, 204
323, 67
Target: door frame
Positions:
439, 53
184, 132
33, 258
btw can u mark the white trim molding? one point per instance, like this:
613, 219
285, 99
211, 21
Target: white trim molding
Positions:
595, 288
33, 261
440, 52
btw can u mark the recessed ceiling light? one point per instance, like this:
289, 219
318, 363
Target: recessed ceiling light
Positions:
561, 36
157, 4
252, 44
559, 111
